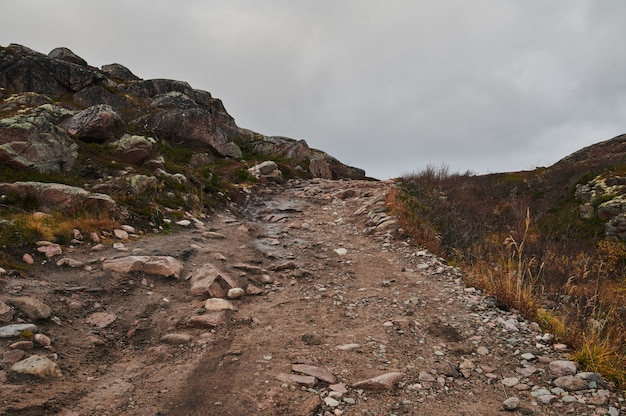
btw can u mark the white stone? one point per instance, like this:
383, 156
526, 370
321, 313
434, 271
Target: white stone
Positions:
37, 365
330, 402
235, 293
15, 330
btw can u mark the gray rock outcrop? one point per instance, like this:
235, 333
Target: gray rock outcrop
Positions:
33, 141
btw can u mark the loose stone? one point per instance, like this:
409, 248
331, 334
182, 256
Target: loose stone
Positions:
382, 382
12, 356
176, 339
22, 345
42, 340
235, 293
39, 366
563, 367
294, 379
15, 330
322, 374
510, 381
571, 383
330, 402
511, 404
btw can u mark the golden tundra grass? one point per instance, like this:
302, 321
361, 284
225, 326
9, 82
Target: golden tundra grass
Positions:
24, 228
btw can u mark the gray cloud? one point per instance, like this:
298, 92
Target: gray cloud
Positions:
486, 85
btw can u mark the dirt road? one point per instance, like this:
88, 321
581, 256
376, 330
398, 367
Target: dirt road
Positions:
342, 298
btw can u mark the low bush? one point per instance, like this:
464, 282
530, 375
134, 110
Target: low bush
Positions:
519, 237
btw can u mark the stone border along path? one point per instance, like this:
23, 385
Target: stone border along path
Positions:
458, 353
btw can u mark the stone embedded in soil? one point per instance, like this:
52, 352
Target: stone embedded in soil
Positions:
101, 319
208, 320
382, 382
320, 373
203, 278
339, 388
38, 366
160, 265
50, 250
331, 402
252, 290
348, 347
297, 380
22, 345
526, 371
42, 340
511, 404
15, 330
547, 399
213, 235
563, 367
121, 234
510, 381
217, 304
66, 261
31, 307
571, 383
426, 376
12, 356
176, 339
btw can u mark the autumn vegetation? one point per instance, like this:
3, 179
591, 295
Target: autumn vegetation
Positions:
520, 238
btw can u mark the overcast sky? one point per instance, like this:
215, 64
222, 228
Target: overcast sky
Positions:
389, 86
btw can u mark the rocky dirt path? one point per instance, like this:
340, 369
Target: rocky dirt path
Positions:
340, 317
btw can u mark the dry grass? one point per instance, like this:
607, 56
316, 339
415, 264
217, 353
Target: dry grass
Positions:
575, 291
23, 229
422, 233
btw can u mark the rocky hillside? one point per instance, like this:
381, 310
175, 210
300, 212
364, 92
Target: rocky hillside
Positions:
75, 137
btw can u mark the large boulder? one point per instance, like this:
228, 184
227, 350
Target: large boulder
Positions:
64, 54
22, 69
32, 141
119, 72
64, 198
325, 166
98, 124
134, 149
194, 127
